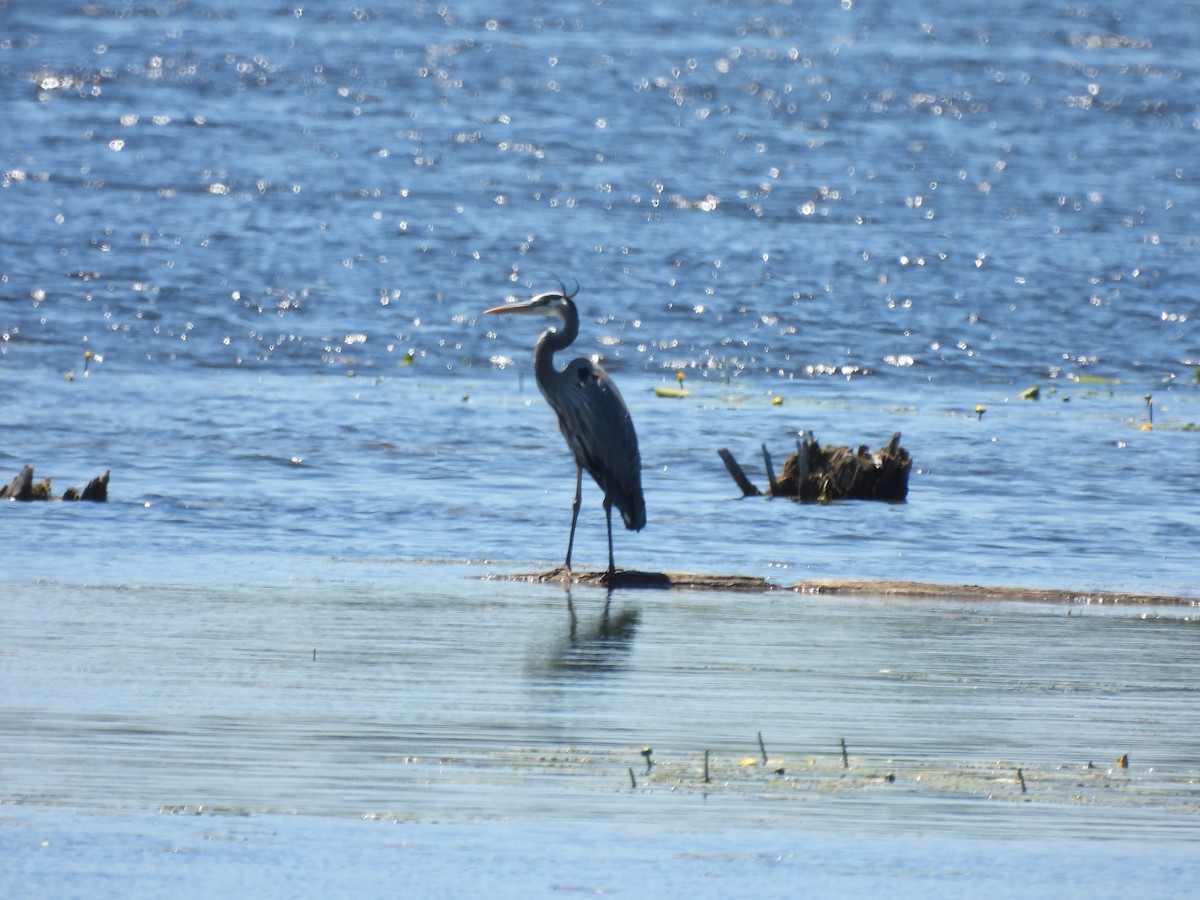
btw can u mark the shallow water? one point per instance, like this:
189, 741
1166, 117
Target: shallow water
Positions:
275, 229
371, 858
394, 707
409, 671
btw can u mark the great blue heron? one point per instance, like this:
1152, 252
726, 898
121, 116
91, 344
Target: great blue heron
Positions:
591, 415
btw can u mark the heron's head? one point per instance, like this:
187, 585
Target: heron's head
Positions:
551, 303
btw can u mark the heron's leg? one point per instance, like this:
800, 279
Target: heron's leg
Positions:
612, 569
574, 513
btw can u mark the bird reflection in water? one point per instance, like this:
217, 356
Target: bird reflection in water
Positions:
595, 647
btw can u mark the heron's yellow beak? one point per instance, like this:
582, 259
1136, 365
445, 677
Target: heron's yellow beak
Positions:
537, 307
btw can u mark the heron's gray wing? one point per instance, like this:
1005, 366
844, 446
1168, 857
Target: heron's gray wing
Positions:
596, 423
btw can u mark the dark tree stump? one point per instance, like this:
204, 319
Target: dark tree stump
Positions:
816, 474
23, 488
95, 490
20, 488
731, 464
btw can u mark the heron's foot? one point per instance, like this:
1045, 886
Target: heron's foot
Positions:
563, 573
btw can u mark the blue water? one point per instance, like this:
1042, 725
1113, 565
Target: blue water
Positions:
275, 227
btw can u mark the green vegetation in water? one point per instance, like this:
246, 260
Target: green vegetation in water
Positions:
800, 776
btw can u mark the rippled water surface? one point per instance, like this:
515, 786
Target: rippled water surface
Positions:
274, 228
389, 709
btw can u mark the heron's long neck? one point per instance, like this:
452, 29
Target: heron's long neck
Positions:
551, 341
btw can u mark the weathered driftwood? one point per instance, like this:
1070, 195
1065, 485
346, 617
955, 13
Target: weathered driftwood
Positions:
916, 590
636, 579
816, 474
23, 487
747, 487
96, 489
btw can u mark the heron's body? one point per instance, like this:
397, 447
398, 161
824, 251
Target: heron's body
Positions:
592, 417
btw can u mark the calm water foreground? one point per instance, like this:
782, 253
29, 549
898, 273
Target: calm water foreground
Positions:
374, 726
271, 665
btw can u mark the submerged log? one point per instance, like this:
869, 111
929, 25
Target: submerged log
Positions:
916, 590
23, 487
632, 578
816, 474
